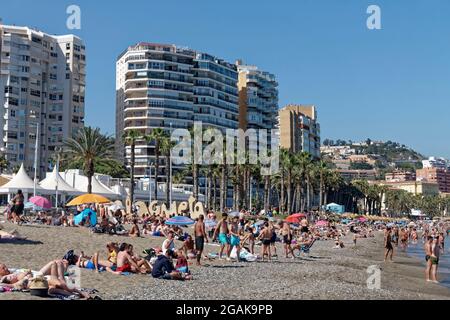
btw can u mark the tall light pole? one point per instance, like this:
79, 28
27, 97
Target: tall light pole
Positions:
58, 154
150, 184
170, 168
36, 157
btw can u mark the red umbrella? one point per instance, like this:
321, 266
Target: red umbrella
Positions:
292, 219
298, 215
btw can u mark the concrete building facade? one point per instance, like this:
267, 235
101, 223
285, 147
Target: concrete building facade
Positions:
300, 129
42, 83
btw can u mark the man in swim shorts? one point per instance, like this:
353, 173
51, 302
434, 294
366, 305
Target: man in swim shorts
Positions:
222, 230
235, 240
200, 237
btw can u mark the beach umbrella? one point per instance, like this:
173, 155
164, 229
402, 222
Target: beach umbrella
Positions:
298, 215
234, 214
180, 221
41, 202
88, 198
258, 223
322, 223
362, 219
33, 207
210, 223
292, 219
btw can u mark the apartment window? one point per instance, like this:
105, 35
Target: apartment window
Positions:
12, 113
61, 97
35, 93
68, 46
13, 102
54, 54
53, 76
68, 55
76, 47
68, 76
12, 135
36, 39
24, 90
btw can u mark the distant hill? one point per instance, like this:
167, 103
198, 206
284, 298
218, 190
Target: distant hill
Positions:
388, 154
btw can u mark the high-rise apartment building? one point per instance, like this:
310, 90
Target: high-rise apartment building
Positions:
299, 129
169, 87
258, 98
42, 83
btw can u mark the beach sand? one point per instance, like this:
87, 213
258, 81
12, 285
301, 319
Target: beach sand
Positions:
327, 274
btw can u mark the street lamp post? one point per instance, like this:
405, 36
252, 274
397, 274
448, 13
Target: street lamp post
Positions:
58, 153
36, 158
170, 168
150, 184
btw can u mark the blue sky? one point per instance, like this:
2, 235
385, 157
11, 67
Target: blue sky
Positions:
384, 84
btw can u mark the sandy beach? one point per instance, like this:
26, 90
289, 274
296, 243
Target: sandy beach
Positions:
327, 274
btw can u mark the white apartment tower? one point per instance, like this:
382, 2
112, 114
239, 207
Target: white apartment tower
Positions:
42, 83
169, 87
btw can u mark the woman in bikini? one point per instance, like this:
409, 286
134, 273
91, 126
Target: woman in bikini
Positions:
18, 207
287, 240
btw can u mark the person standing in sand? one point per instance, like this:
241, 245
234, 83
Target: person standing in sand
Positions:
434, 258
200, 237
427, 248
235, 240
222, 230
265, 236
389, 248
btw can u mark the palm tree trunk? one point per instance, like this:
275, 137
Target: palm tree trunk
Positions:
156, 169
321, 191
195, 180
289, 195
168, 180
308, 194
223, 191
266, 193
133, 160
281, 202
215, 193
90, 174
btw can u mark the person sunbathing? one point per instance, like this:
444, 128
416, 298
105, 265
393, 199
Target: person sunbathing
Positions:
13, 235
141, 262
14, 280
93, 263
126, 263
135, 232
188, 248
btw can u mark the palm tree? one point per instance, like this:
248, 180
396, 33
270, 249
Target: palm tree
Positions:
166, 147
284, 154
323, 170
304, 165
288, 163
157, 135
130, 138
4, 164
88, 146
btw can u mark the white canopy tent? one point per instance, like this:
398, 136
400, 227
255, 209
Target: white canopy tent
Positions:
54, 181
21, 181
80, 183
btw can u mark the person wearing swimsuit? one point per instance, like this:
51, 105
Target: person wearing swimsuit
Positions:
265, 237
18, 207
200, 238
287, 240
389, 249
222, 231
434, 258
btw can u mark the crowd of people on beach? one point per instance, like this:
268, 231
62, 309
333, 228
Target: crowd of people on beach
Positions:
236, 234
432, 235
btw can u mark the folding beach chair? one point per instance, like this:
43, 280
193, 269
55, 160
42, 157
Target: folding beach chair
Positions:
303, 249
